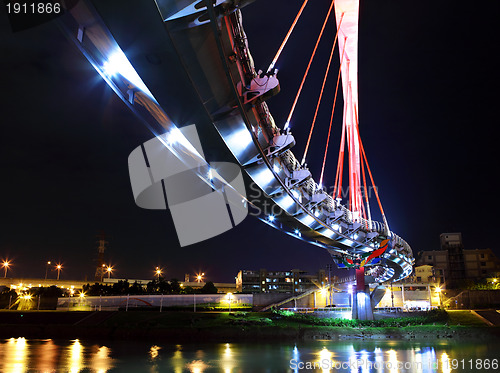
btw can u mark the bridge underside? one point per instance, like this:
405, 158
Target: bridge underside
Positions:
198, 69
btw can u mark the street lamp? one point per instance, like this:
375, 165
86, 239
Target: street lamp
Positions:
58, 268
109, 269
47, 269
158, 273
229, 297
199, 277
438, 291
5, 265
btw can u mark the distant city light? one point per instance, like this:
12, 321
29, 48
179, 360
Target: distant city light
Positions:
229, 299
109, 269
5, 265
199, 277
158, 272
58, 268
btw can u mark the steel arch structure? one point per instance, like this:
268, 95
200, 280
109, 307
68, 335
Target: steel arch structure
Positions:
189, 62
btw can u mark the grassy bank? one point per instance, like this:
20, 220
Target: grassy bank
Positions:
237, 326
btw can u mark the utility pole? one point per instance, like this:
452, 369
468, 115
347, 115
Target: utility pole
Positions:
329, 268
47, 269
101, 266
392, 296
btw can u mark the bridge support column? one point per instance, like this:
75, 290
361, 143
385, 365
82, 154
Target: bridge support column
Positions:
361, 302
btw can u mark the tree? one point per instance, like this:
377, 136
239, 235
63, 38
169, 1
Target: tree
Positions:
97, 289
209, 288
121, 287
158, 285
175, 286
136, 288
187, 290
7, 295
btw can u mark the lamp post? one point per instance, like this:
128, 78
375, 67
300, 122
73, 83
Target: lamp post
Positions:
5, 265
47, 269
158, 273
109, 269
229, 300
58, 267
392, 296
199, 277
438, 291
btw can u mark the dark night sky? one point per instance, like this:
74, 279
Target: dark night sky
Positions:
428, 108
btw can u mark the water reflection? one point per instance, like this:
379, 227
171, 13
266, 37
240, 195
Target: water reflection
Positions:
154, 352
227, 360
46, 356
75, 357
100, 359
19, 353
445, 363
22, 355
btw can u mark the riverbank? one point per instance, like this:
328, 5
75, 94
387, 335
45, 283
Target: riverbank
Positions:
225, 327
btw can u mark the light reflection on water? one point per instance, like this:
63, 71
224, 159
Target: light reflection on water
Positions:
23, 355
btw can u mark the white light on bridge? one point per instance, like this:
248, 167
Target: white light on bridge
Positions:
307, 220
118, 63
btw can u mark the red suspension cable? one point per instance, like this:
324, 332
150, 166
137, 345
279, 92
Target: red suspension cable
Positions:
331, 117
287, 123
366, 192
373, 183
321, 92
275, 59
337, 191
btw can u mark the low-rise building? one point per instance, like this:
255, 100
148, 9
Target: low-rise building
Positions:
453, 264
428, 274
264, 281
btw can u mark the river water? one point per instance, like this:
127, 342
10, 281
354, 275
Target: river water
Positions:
48, 355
